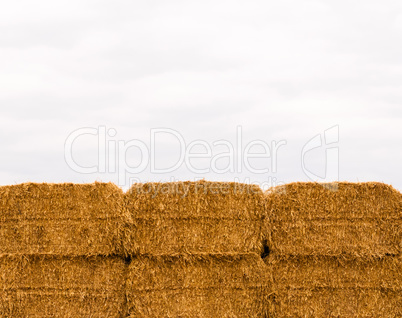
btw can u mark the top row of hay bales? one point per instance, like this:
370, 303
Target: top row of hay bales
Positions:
200, 217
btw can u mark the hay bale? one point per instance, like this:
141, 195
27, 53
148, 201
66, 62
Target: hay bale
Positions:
194, 217
354, 219
356, 238
332, 272
339, 302
198, 286
310, 200
56, 286
61, 219
332, 286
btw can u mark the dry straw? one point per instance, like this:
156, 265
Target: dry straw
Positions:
339, 302
315, 286
335, 249
333, 272
194, 217
349, 219
61, 219
56, 286
198, 286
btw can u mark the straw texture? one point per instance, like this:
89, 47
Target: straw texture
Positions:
193, 249
322, 286
198, 286
61, 219
55, 286
349, 219
334, 272
194, 217
346, 302
336, 249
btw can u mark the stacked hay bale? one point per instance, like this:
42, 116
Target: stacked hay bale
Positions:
58, 247
336, 249
197, 286
60, 286
196, 250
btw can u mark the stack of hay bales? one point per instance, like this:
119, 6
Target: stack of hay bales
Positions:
336, 250
193, 249
58, 247
196, 250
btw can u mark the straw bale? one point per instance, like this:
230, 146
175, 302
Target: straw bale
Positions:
309, 201
61, 219
355, 219
357, 238
55, 286
338, 302
333, 272
194, 217
194, 235
198, 286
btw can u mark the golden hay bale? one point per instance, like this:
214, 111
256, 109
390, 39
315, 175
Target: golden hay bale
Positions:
311, 272
194, 217
355, 219
334, 287
339, 302
62, 219
357, 238
309, 200
60, 286
198, 286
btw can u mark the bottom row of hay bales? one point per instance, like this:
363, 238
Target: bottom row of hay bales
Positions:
238, 285
199, 286
322, 286
150, 286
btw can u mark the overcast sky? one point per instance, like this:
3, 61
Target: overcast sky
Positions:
278, 71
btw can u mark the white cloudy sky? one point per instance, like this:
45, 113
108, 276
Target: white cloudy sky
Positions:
279, 70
